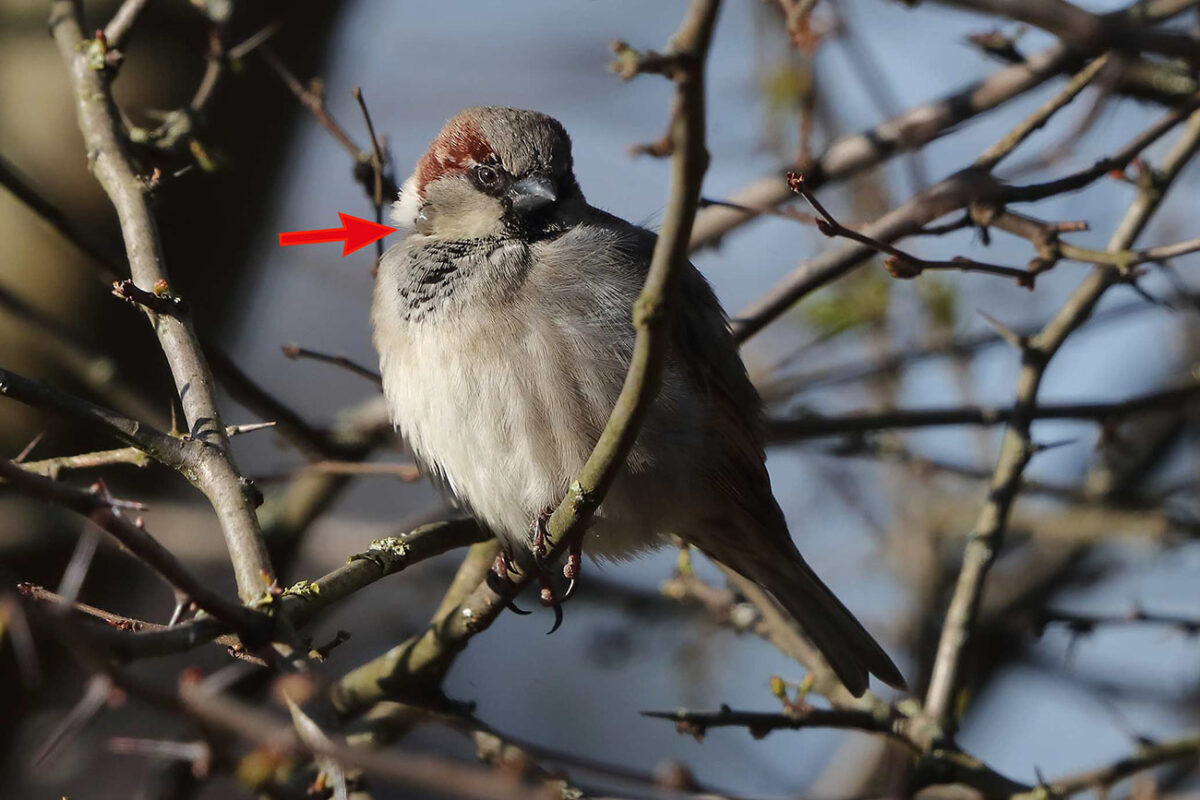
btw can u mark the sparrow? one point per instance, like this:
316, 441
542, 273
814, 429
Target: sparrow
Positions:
502, 319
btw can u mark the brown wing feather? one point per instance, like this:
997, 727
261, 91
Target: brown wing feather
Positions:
708, 352
761, 550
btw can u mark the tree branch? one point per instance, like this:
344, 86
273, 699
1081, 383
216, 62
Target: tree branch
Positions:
988, 533
251, 625
851, 155
816, 425
218, 476
760, 723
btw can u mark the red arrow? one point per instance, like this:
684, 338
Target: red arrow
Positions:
357, 233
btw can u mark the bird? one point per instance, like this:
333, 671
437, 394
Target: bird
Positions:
502, 321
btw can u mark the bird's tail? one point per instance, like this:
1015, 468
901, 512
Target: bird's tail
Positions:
841, 638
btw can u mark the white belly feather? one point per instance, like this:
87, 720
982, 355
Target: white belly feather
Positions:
473, 403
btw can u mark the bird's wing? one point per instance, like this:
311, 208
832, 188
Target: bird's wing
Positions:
707, 352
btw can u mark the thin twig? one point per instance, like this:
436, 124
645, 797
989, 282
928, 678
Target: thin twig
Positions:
816, 425
131, 456
133, 536
377, 165
294, 351
315, 104
1117, 161
122, 22
900, 263
404, 472
1080, 624
697, 723
997, 152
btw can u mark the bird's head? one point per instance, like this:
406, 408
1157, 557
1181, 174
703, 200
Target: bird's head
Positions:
492, 171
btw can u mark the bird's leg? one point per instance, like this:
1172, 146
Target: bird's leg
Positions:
538, 533
501, 569
537, 545
572, 568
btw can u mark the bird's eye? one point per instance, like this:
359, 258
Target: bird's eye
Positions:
487, 176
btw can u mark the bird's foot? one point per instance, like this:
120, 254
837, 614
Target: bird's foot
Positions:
501, 571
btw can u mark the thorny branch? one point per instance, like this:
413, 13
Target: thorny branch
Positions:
97, 507
1018, 448
219, 478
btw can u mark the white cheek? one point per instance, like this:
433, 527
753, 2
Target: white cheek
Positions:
407, 207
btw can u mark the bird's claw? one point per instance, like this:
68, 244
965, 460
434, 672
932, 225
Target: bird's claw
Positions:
550, 601
572, 569
500, 569
516, 609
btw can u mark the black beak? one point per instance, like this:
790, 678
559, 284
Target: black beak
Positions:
532, 194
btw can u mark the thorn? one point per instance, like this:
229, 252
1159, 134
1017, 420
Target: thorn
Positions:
27, 449
250, 427
1142, 293
1006, 333
1039, 447
182, 601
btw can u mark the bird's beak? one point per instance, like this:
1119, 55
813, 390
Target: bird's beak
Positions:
532, 194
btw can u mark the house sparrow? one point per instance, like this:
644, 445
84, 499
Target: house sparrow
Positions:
502, 321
